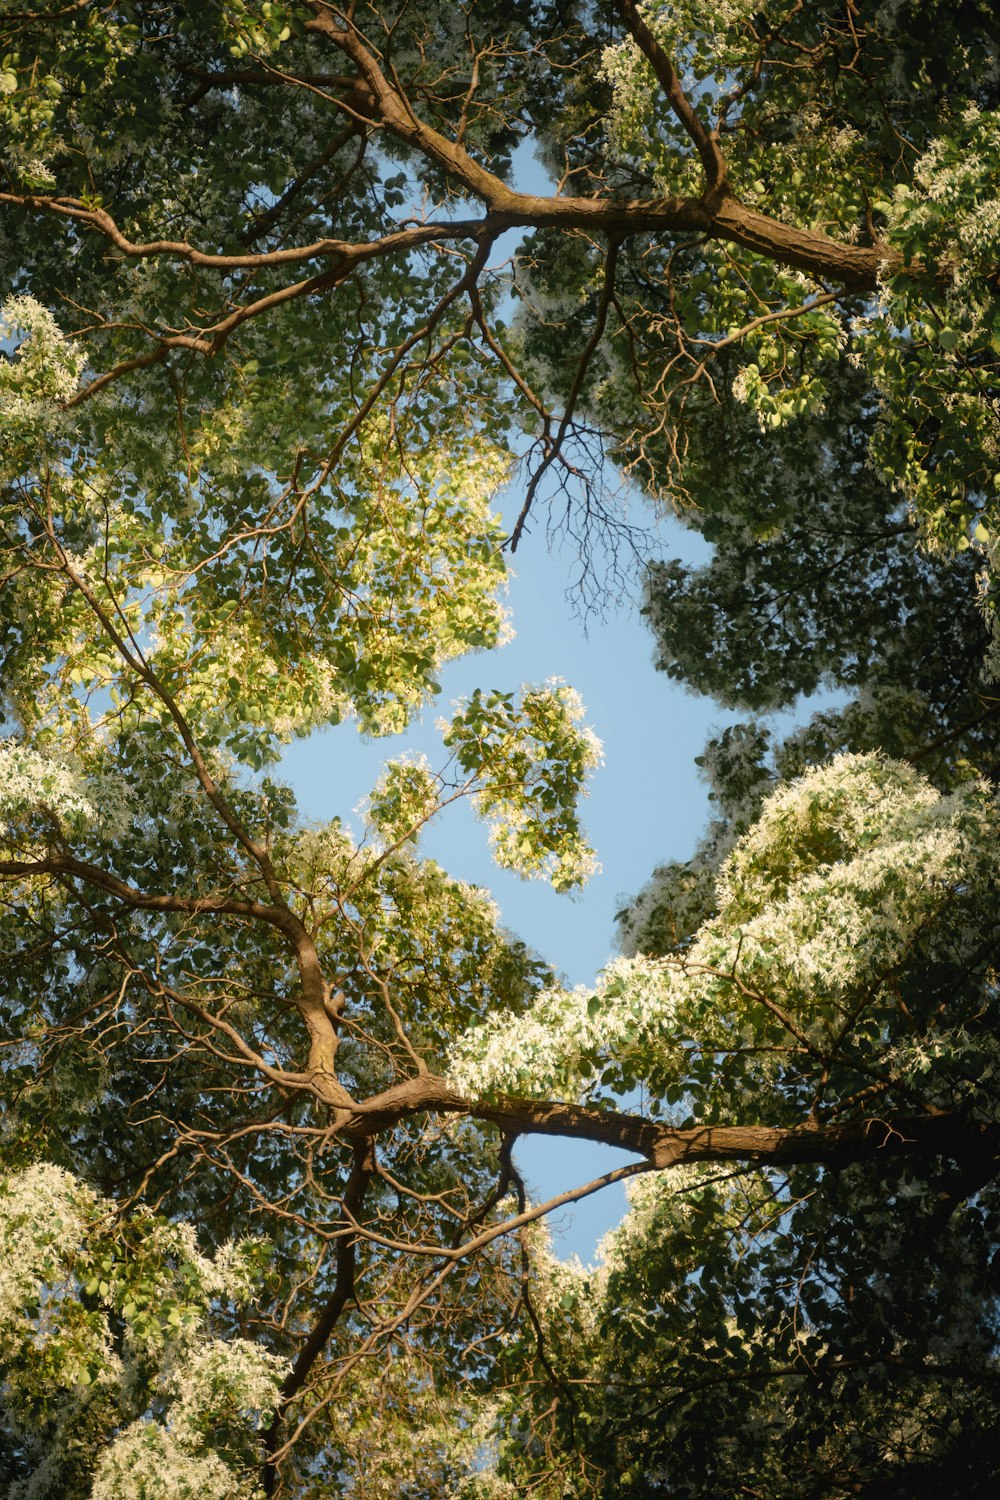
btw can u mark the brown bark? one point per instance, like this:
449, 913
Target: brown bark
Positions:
854, 267
835, 1144
329, 1315
717, 214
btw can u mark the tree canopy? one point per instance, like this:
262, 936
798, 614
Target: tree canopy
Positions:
280, 320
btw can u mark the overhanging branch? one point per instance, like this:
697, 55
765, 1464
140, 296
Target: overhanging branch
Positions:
835, 1143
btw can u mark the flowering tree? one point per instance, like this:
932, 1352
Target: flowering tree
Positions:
262, 1230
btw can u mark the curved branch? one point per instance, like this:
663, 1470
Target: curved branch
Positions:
855, 267
719, 215
834, 1144
65, 866
311, 1004
706, 145
347, 253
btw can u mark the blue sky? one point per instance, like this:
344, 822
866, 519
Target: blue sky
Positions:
646, 803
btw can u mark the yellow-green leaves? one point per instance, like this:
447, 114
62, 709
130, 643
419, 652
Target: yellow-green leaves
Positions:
405, 797
530, 761
41, 374
264, 609
107, 1347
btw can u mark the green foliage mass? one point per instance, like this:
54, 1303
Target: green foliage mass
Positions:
268, 354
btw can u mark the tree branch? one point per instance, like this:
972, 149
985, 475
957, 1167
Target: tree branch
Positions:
67, 866
707, 147
835, 1144
343, 1290
592, 345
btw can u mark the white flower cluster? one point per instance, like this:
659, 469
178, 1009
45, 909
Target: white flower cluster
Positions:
558, 1281
29, 779
955, 196
548, 1050
227, 1273
249, 1376
653, 1197
44, 372
43, 1211
32, 779
845, 869
622, 67
842, 872
55, 1233
33, 170
146, 1462
745, 384
820, 818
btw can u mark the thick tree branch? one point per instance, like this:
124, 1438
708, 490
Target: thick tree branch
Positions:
855, 267
716, 214
705, 144
834, 1144
66, 866
719, 215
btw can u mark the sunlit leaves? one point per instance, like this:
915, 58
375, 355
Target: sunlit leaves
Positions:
107, 1346
529, 759
258, 412
855, 883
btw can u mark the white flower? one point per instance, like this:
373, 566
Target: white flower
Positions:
32, 779
45, 370
43, 1211
146, 1462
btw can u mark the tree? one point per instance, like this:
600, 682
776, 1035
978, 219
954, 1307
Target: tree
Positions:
262, 1227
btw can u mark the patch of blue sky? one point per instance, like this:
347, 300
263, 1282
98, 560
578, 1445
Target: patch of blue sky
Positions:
647, 803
